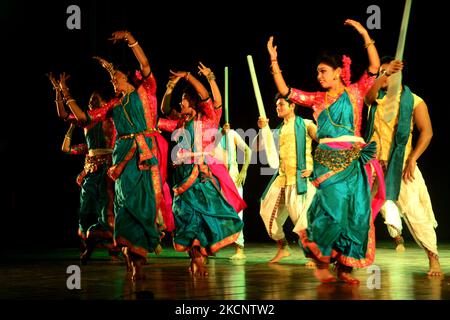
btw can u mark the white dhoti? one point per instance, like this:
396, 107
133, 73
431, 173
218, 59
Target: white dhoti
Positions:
414, 205
279, 203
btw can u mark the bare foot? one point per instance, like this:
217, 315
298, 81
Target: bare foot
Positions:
324, 276
347, 278
86, 255
239, 255
138, 273
281, 253
435, 267
399, 244
198, 267
310, 264
126, 254
158, 249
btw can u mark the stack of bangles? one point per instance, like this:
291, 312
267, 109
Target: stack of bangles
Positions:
274, 61
170, 85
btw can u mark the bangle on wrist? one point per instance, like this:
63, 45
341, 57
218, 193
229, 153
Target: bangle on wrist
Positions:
211, 76
276, 72
133, 44
186, 77
170, 85
366, 45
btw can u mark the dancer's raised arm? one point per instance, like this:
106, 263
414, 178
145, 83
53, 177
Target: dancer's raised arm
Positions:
137, 50
369, 44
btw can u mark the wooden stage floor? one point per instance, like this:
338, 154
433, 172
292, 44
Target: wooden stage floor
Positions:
43, 275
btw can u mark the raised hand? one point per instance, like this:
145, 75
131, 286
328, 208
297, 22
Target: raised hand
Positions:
121, 35
53, 80
272, 49
179, 74
63, 77
203, 70
355, 24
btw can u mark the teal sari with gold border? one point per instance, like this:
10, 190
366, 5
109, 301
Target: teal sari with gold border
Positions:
340, 227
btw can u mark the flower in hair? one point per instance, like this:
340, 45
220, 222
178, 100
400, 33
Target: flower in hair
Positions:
346, 73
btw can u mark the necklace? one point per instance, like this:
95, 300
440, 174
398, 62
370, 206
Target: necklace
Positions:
125, 110
329, 115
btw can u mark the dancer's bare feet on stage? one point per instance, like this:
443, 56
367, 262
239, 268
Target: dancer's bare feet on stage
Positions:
344, 273
136, 263
86, 255
158, 249
399, 244
324, 275
281, 253
197, 267
435, 266
310, 264
126, 254
347, 278
239, 255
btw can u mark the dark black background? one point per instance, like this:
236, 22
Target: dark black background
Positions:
40, 197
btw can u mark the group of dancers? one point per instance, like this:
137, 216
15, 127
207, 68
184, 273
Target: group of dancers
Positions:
331, 192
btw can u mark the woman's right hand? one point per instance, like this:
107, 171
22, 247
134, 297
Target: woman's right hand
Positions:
272, 49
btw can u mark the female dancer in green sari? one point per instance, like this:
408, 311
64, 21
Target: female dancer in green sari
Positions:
206, 202
142, 198
340, 226
96, 213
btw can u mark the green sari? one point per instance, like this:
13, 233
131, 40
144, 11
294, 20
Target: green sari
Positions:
339, 219
203, 216
138, 186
